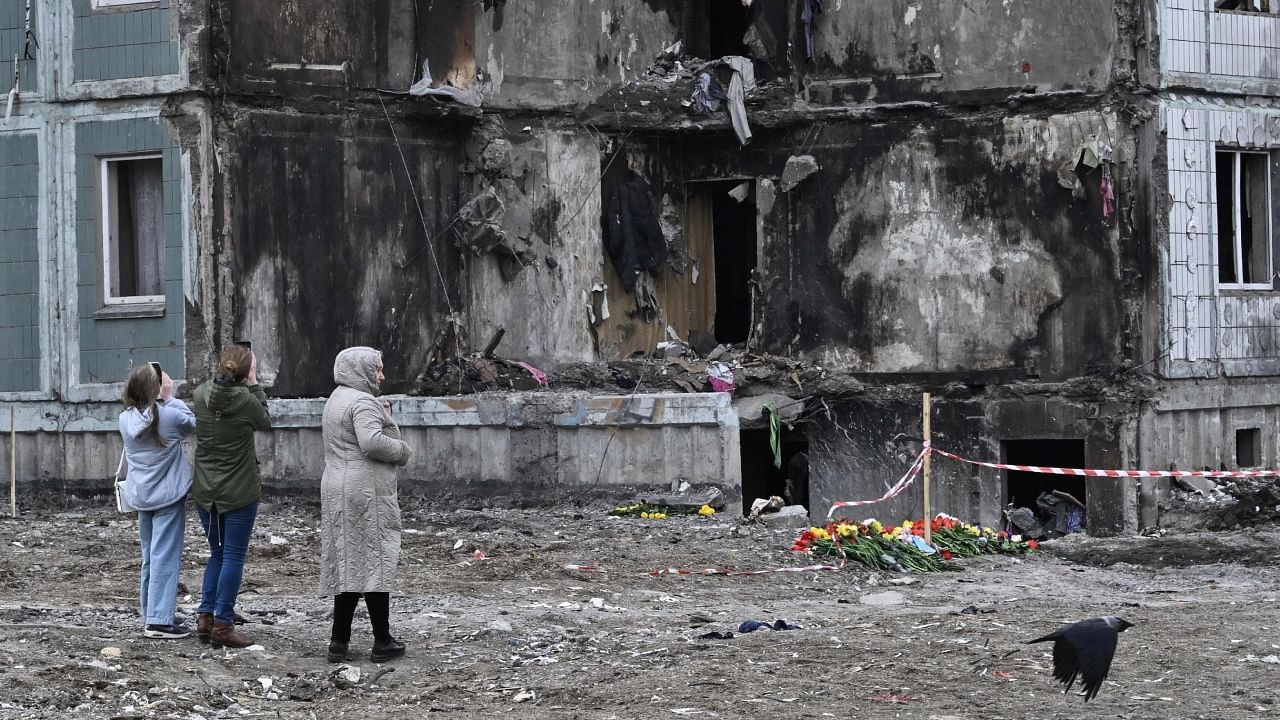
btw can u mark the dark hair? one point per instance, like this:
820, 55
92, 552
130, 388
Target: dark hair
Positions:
234, 365
140, 391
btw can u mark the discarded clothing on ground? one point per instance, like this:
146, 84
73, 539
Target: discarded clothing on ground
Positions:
423, 88
748, 626
633, 236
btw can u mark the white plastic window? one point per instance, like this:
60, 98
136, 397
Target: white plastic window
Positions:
132, 228
1242, 184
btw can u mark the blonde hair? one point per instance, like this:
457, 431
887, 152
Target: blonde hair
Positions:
235, 363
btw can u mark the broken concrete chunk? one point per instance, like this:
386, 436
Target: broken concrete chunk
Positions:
798, 168
790, 516
752, 408
496, 156
691, 501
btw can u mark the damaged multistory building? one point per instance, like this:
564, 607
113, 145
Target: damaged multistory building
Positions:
604, 244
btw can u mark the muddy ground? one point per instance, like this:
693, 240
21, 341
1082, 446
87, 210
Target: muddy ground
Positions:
517, 635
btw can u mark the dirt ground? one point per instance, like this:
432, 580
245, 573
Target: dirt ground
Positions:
517, 635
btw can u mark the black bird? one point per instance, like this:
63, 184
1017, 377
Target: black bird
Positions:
1085, 649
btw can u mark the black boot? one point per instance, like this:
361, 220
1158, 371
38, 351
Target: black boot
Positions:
337, 651
384, 650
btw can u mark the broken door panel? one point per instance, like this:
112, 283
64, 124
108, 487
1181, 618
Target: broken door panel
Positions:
685, 300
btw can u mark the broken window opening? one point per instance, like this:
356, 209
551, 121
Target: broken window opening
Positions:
719, 28
761, 479
733, 227
1242, 181
132, 202
1041, 505
1249, 447
1267, 7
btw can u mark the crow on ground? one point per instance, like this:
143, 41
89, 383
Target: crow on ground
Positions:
1085, 649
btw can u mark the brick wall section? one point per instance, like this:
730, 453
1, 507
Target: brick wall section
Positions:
19, 263
120, 43
109, 347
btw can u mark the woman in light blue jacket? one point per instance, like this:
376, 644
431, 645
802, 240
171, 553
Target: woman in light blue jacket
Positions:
153, 424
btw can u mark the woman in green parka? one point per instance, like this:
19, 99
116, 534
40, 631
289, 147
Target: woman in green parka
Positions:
229, 408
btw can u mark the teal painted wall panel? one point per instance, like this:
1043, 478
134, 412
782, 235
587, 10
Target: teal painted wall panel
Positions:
13, 25
110, 346
120, 43
19, 263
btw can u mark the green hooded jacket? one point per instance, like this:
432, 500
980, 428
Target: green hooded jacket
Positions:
227, 475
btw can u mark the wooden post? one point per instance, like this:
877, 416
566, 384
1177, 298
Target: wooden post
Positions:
928, 500
13, 461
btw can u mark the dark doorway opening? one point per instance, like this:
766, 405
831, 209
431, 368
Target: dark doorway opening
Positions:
760, 479
716, 28
1022, 488
733, 224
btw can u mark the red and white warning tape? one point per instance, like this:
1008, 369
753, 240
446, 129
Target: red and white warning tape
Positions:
721, 571
711, 571
1114, 473
892, 492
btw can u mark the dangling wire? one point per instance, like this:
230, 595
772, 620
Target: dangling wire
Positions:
29, 37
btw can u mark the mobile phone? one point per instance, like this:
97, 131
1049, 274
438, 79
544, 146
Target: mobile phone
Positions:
159, 373
245, 344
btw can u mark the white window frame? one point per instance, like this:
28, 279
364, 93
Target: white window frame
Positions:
100, 4
107, 212
1235, 219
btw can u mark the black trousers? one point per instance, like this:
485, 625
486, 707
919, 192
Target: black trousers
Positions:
344, 610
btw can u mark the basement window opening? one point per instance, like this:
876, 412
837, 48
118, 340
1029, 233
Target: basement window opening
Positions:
1043, 505
761, 479
1242, 181
1249, 448
132, 228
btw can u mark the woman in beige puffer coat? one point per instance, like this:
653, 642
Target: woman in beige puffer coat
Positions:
359, 510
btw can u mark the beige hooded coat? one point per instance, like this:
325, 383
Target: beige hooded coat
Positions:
359, 510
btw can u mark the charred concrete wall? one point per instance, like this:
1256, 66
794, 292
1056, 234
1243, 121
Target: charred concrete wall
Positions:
948, 245
865, 448
329, 250
903, 49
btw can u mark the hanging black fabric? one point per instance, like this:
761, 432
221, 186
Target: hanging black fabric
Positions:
633, 237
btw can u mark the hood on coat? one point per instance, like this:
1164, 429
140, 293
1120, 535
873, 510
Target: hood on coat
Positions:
357, 368
227, 398
134, 421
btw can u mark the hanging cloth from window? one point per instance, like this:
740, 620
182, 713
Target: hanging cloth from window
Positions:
809, 9
633, 235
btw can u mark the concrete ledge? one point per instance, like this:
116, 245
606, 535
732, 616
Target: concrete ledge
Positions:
525, 447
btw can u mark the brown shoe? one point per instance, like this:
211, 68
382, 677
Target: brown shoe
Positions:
225, 635
204, 626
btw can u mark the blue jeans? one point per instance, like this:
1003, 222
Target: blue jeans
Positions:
228, 535
161, 533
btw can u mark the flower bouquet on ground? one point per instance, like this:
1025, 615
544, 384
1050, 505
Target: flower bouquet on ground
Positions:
902, 547
648, 511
